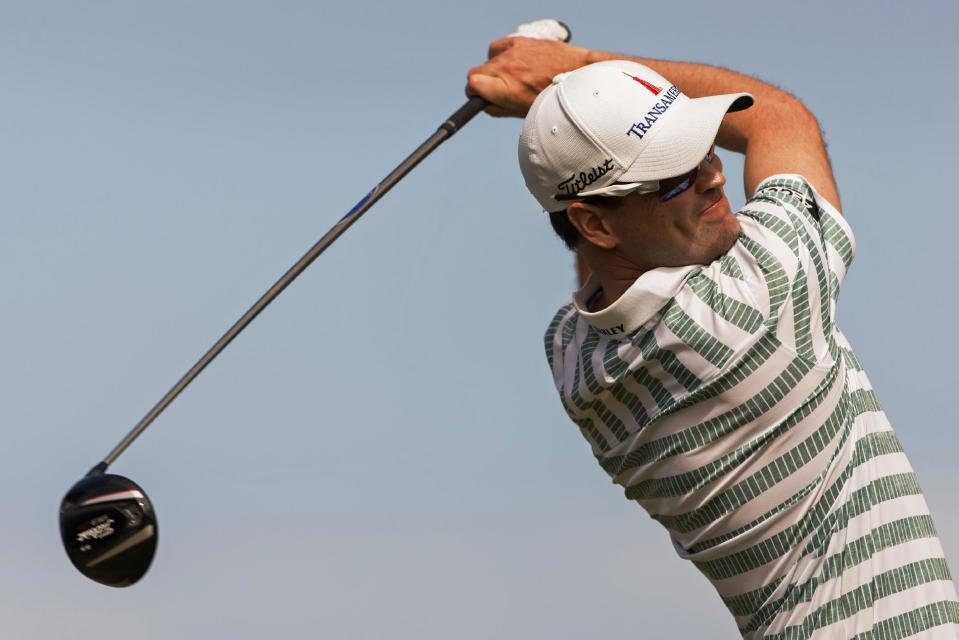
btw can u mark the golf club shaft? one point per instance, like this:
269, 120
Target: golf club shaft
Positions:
455, 122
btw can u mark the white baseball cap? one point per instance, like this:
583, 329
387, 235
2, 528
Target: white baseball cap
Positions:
613, 127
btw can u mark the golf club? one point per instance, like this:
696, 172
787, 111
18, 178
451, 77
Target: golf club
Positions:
107, 522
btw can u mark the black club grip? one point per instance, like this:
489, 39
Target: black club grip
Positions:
464, 114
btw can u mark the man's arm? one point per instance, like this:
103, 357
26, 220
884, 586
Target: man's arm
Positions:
778, 134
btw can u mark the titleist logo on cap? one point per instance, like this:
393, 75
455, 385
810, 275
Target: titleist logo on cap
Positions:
579, 181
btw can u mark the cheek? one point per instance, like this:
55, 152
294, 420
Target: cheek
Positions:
657, 230
701, 240
718, 238
683, 227
664, 240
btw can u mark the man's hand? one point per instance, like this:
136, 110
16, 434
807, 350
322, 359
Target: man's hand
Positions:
518, 69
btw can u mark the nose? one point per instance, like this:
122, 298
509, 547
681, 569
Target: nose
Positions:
710, 175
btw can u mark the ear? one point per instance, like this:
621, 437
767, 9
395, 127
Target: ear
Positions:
592, 222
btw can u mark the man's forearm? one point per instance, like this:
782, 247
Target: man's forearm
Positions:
777, 131
777, 135
698, 79
522, 68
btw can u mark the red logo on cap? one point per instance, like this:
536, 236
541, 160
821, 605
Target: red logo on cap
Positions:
653, 88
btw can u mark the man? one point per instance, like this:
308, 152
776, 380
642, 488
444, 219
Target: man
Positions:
700, 358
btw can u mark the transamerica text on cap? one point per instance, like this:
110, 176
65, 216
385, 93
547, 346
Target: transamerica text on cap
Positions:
640, 128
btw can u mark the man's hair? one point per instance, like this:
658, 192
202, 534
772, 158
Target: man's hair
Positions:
564, 229
567, 231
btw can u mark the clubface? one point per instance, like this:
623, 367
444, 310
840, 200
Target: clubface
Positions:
109, 529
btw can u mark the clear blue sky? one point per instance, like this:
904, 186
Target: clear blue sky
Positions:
381, 454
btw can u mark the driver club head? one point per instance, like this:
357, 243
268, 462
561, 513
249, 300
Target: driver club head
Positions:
109, 529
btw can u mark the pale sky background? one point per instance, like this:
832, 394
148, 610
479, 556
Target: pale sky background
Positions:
382, 454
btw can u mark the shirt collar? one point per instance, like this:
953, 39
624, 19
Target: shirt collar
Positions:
643, 300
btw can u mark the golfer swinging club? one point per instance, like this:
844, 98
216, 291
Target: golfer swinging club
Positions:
701, 360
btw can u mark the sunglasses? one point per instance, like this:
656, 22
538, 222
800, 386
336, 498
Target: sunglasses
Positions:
672, 187
668, 187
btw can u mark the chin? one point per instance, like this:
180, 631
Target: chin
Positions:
721, 239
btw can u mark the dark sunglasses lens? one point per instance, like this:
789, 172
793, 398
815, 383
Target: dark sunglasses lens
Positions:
670, 184
672, 187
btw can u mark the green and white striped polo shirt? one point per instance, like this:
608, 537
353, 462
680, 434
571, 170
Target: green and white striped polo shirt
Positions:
726, 402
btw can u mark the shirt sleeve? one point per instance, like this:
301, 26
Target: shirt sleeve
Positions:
797, 247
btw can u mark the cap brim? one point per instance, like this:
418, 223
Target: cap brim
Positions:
682, 142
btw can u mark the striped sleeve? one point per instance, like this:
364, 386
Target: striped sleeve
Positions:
798, 197
798, 248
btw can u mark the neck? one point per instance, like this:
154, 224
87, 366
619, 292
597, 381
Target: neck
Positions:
614, 273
